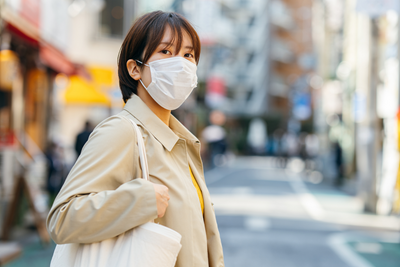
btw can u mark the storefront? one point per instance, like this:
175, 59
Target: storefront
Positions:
29, 63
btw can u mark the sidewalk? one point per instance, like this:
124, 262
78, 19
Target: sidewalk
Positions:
34, 253
378, 253
339, 207
367, 249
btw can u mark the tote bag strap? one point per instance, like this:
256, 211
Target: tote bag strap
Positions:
142, 152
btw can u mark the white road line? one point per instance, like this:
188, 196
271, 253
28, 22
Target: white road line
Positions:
317, 212
338, 242
256, 223
309, 202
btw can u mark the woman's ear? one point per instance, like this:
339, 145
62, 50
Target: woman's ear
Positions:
133, 69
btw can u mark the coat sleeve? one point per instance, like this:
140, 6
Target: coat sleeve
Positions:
101, 197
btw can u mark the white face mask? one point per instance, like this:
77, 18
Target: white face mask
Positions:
172, 81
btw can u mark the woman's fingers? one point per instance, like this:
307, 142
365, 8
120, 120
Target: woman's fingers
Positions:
162, 198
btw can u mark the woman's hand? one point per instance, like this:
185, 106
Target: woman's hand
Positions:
162, 198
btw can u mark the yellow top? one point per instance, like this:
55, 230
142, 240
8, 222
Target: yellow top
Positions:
199, 193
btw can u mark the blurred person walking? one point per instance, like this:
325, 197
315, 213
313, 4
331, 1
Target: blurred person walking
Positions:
338, 154
215, 137
274, 145
302, 145
257, 136
104, 195
312, 145
291, 144
82, 138
55, 170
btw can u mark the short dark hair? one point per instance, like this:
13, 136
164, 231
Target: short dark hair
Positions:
143, 39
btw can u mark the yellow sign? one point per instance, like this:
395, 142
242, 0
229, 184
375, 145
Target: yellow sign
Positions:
80, 91
90, 91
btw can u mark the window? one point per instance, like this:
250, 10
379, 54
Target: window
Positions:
112, 18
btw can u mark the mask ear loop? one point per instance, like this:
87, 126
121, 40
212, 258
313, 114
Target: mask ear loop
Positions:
140, 80
140, 62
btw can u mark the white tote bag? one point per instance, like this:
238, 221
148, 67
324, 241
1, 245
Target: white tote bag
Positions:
148, 245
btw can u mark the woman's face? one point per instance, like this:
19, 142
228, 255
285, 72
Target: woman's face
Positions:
163, 51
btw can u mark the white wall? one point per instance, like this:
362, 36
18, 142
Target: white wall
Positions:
85, 44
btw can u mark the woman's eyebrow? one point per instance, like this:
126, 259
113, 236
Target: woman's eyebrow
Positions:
166, 43
169, 44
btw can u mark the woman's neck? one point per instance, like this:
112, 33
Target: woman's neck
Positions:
162, 113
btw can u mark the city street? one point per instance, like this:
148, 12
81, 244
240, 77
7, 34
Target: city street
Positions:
295, 106
269, 217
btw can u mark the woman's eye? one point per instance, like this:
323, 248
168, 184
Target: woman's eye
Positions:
189, 55
166, 52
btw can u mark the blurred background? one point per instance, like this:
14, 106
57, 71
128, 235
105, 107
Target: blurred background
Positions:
297, 108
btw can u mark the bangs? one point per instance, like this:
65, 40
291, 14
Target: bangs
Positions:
178, 25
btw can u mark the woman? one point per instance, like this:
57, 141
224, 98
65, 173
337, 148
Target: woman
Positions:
103, 195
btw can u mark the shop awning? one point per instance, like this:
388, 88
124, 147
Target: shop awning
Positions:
20, 25
81, 91
56, 60
26, 31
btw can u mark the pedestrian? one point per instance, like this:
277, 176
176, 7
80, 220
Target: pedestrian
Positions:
312, 145
214, 136
338, 163
55, 170
257, 136
291, 144
82, 138
104, 195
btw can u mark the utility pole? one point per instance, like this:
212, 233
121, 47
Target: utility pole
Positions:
369, 134
372, 118
366, 127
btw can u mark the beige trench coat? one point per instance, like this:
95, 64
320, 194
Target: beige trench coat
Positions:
102, 198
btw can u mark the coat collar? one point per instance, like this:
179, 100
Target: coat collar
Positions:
168, 136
